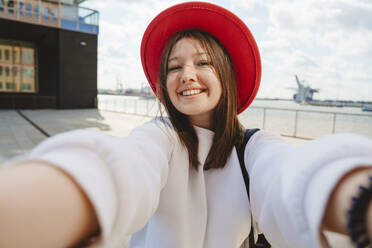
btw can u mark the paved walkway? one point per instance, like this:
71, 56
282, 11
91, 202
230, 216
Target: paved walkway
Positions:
18, 136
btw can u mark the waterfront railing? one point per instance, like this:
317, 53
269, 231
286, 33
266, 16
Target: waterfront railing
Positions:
304, 124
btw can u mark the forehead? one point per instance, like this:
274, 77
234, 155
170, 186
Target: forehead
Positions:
187, 45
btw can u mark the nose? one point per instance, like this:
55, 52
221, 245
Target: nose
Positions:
188, 74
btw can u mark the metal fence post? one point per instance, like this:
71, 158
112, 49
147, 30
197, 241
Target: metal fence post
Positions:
135, 106
295, 124
334, 123
147, 107
264, 119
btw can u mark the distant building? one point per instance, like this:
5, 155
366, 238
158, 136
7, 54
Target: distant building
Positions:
48, 54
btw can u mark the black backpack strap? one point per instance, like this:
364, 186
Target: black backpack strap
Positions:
247, 135
261, 242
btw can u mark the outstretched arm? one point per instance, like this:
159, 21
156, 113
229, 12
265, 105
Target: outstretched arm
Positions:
86, 179
41, 206
298, 191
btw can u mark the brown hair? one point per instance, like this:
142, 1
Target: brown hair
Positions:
225, 123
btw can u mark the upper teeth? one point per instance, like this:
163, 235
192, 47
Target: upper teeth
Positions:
190, 92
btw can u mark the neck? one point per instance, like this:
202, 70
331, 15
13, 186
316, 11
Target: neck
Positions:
203, 121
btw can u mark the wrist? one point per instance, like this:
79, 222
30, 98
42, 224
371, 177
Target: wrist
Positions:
369, 220
358, 215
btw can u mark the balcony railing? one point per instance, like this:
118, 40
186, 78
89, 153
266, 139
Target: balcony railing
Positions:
52, 14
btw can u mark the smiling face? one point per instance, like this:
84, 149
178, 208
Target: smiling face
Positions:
192, 82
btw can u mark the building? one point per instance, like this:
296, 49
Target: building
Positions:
48, 54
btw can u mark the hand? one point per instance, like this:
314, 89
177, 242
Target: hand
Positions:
41, 206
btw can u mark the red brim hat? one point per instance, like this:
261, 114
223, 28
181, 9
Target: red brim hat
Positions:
222, 24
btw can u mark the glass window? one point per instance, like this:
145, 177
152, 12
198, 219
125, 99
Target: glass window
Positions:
46, 13
9, 85
1, 5
29, 60
19, 65
6, 54
28, 9
26, 86
15, 71
54, 15
29, 72
10, 6
20, 6
24, 57
36, 9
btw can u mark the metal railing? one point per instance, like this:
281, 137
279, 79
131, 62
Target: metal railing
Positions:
307, 124
304, 124
53, 14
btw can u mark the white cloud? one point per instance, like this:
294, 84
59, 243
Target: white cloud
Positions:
326, 42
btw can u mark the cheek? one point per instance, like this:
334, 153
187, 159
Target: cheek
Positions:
171, 84
171, 90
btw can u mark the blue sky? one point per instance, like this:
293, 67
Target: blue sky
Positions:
327, 43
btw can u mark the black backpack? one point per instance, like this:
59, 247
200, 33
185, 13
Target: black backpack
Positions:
261, 242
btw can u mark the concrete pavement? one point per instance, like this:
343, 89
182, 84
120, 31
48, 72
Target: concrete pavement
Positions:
18, 136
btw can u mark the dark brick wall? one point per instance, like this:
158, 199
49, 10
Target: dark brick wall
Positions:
78, 70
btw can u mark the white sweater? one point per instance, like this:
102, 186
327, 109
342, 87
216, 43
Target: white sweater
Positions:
143, 185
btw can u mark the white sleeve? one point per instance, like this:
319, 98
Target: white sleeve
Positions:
290, 186
122, 177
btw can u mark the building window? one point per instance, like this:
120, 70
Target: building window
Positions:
20, 6
6, 54
28, 9
54, 15
26, 87
36, 10
1, 5
46, 14
10, 6
9, 86
18, 71
15, 71
29, 60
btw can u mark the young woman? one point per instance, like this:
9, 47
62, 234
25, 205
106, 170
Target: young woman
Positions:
177, 182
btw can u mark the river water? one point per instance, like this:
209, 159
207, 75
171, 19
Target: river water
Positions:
280, 116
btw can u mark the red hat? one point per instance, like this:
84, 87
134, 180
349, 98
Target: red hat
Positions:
222, 24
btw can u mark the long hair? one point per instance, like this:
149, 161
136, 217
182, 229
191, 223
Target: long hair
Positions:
225, 123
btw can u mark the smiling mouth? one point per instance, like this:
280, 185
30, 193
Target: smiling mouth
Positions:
191, 92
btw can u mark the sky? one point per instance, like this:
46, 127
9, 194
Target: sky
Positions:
327, 43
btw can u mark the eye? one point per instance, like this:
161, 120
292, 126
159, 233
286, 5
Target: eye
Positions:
174, 68
204, 63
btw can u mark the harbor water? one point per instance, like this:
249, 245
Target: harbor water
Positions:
280, 116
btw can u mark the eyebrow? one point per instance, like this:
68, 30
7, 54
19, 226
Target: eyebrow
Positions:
197, 54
